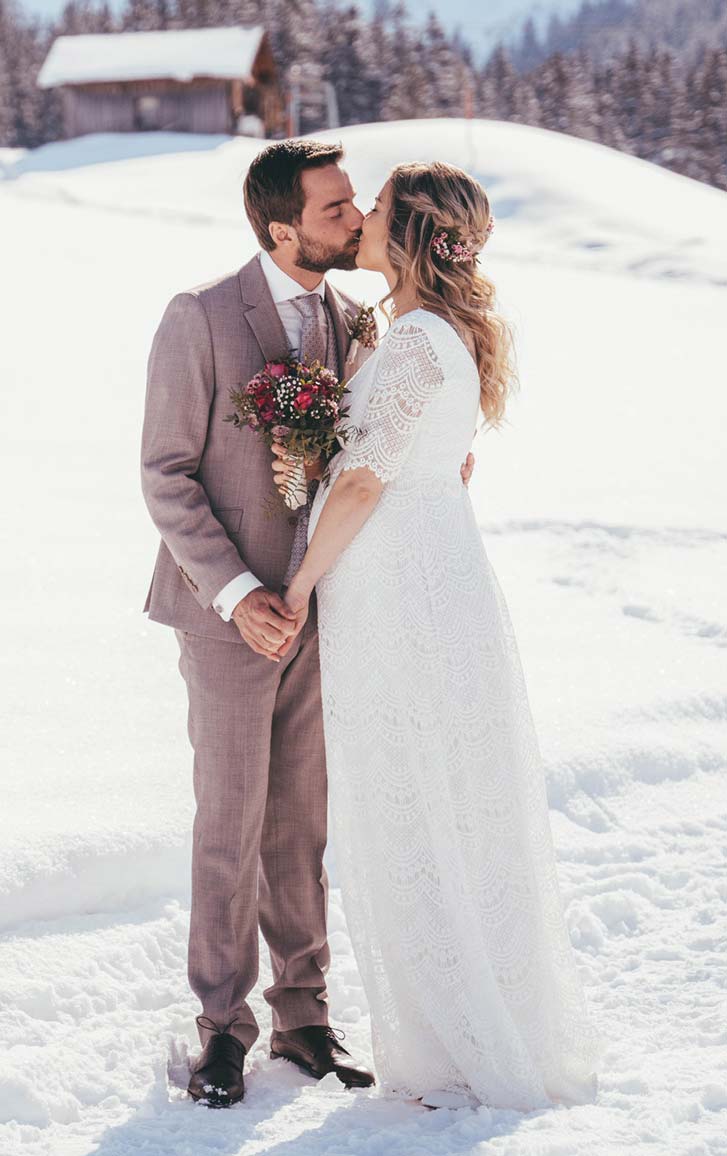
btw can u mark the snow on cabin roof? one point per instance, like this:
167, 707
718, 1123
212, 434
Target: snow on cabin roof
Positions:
226, 53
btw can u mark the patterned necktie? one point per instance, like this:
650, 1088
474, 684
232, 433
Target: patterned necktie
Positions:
317, 343
314, 334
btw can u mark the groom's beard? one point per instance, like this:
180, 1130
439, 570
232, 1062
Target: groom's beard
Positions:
318, 258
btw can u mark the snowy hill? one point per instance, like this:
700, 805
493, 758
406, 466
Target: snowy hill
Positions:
602, 508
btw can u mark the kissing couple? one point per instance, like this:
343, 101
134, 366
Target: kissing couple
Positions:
362, 642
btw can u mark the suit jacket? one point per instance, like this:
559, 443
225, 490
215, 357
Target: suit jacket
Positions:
209, 486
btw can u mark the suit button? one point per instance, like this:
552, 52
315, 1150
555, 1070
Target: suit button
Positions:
292, 521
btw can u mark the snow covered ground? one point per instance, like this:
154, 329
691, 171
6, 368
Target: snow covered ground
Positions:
602, 507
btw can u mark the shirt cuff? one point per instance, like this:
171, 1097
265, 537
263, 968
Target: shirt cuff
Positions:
233, 592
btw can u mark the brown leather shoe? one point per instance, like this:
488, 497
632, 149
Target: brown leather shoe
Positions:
217, 1077
317, 1051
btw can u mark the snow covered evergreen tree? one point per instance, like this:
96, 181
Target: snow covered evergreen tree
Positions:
347, 63
497, 87
711, 117
446, 75
142, 16
403, 79
7, 119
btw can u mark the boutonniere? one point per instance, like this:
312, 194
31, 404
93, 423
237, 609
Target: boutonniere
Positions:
363, 327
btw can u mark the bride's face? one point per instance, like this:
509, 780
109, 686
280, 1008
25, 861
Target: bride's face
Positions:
372, 252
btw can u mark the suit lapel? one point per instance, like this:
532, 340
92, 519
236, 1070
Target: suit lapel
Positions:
340, 324
264, 320
261, 314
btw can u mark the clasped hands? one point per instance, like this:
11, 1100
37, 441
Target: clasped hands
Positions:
267, 623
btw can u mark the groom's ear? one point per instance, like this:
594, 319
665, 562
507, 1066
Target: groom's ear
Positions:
281, 234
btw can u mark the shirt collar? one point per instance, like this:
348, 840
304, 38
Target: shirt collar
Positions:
282, 286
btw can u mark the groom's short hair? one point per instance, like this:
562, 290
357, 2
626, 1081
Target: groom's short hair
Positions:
273, 187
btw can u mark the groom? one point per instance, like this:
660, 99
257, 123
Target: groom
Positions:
253, 684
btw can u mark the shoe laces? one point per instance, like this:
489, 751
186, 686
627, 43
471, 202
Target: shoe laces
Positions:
334, 1035
226, 1046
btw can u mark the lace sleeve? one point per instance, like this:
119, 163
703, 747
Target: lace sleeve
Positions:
407, 378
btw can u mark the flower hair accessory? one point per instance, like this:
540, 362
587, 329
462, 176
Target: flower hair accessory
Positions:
448, 247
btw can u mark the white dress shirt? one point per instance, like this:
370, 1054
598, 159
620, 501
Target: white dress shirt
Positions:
283, 288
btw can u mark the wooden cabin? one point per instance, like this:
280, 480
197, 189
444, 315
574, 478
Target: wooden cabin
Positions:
199, 80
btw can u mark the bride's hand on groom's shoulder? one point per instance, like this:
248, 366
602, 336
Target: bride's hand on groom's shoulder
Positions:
467, 468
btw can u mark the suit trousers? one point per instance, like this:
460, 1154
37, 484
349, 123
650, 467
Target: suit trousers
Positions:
256, 728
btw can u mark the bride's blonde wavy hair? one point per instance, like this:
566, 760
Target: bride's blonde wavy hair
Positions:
427, 199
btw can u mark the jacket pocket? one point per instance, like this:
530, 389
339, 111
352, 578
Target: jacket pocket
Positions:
229, 516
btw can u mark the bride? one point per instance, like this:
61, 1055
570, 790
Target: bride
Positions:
439, 811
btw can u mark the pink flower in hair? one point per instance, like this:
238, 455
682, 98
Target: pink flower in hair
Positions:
449, 248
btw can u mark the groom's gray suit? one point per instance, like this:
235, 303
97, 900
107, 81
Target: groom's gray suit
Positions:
256, 726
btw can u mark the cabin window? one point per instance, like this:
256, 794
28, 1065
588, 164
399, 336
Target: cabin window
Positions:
147, 113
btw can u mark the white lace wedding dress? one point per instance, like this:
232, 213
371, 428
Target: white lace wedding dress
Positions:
439, 814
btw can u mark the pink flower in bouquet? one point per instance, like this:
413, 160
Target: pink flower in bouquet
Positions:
276, 368
281, 431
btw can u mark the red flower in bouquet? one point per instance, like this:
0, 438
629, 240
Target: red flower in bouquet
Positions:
298, 406
304, 400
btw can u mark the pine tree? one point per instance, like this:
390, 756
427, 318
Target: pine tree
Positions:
246, 12
446, 74
7, 120
632, 89
28, 101
583, 109
657, 105
711, 87
554, 85
606, 113
72, 20
105, 20
296, 34
529, 52
498, 85
403, 81
379, 56
295, 30
525, 107
346, 64
141, 16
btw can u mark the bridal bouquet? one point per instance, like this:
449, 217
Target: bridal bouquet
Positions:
298, 406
